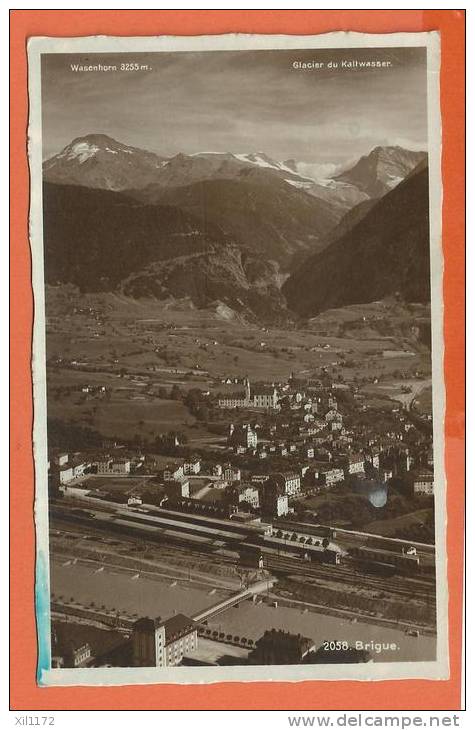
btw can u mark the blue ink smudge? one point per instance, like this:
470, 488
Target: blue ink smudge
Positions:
43, 618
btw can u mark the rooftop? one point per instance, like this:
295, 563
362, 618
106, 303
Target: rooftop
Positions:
263, 390
178, 626
286, 639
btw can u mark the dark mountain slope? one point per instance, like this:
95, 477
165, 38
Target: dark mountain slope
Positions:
350, 220
260, 213
95, 238
104, 241
386, 252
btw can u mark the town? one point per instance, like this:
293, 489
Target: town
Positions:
306, 496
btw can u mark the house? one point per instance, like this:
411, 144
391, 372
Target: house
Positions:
333, 415
158, 643
290, 481
246, 493
243, 435
281, 505
65, 474
424, 483
79, 468
319, 424
355, 463
69, 651
308, 451
133, 500
331, 476
75, 645
60, 466
61, 459
75, 655
181, 638
372, 456
259, 478
121, 466
281, 647
192, 466
232, 473
174, 470
334, 419
177, 488
273, 498
118, 467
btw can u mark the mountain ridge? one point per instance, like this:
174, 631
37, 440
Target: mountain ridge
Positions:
233, 233
386, 252
99, 161
382, 169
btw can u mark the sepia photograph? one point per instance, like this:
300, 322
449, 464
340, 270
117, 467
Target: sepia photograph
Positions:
238, 383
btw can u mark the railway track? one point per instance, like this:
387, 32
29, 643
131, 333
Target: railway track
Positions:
400, 588
396, 585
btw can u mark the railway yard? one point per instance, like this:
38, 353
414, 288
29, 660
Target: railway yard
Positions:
340, 573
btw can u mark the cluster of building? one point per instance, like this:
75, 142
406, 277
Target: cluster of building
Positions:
308, 437
326, 445
281, 647
64, 467
149, 643
155, 642
261, 396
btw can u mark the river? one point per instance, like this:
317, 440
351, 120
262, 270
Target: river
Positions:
147, 596
144, 595
252, 620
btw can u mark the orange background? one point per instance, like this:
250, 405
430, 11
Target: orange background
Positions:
386, 695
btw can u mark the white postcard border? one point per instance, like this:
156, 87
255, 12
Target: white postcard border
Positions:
438, 669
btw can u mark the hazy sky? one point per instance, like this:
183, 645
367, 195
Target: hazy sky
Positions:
240, 102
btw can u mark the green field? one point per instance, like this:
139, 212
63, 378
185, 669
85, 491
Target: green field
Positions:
135, 348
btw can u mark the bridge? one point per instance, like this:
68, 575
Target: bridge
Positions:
252, 590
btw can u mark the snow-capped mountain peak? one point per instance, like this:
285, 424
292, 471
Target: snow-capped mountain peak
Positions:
83, 148
260, 159
99, 161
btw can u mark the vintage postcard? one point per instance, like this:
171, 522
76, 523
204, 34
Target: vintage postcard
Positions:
238, 358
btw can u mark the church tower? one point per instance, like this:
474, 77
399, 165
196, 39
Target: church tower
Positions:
248, 389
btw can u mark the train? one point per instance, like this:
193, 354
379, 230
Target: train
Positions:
250, 550
402, 562
211, 534
307, 527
